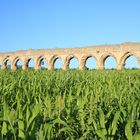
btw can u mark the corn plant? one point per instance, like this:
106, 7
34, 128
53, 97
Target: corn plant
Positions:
72, 105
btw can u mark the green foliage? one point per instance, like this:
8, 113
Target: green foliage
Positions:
72, 105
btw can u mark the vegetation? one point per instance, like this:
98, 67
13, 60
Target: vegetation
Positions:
48, 105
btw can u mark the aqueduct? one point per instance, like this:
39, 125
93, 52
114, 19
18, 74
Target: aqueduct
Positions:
120, 53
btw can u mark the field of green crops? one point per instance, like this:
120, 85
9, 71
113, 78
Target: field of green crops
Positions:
71, 105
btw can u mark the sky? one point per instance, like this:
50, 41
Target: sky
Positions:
40, 24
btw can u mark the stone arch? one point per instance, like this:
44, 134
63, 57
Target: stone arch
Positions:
58, 64
27, 60
4, 62
53, 59
39, 60
84, 60
15, 61
125, 57
68, 59
104, 57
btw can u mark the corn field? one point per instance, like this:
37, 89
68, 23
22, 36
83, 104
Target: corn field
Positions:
70, 105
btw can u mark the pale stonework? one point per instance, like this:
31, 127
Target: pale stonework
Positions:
120, 52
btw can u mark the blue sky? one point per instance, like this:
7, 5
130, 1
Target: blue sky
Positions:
36, 24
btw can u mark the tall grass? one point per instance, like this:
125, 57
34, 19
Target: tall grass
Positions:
47, 105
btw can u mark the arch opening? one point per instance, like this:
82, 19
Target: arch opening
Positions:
57, 64
8, 64
110, 62
73, 63
43, 64
90, 63
30, 63
18, 64
131, 62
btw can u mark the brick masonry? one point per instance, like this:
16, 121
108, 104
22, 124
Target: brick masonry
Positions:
120, 53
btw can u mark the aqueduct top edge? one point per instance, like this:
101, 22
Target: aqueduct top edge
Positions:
128, 46
123, 46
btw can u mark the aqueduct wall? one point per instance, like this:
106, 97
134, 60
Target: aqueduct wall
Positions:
120, 52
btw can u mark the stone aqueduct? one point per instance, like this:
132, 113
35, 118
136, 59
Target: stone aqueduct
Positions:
120, 53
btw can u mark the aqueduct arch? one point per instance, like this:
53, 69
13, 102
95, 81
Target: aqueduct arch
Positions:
84, 59
14, 62
104, 57
119, 52
127, 55
4, 62
67, 61
38, 61
52, 60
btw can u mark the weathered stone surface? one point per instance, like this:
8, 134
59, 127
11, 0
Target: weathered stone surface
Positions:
120, 52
